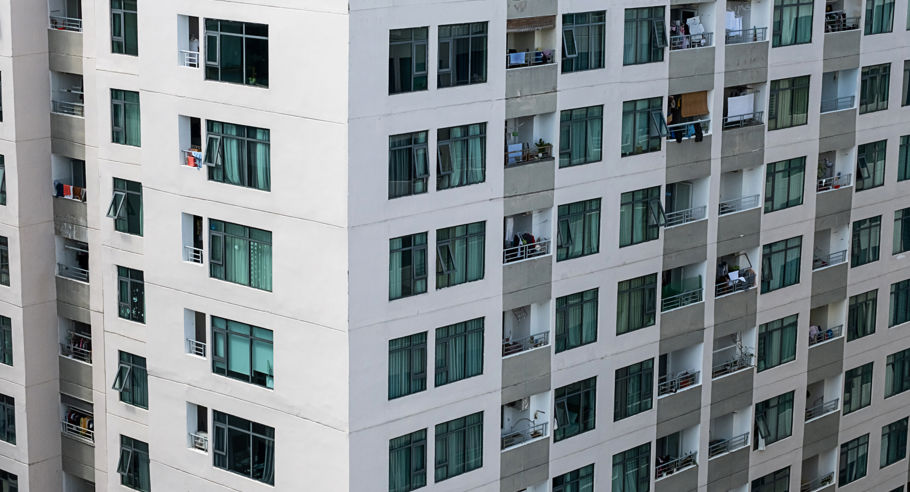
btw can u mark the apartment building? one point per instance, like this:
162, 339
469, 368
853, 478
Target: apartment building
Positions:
218, 221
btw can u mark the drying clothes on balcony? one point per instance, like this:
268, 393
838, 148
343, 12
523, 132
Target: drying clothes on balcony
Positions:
517, 58
694, 104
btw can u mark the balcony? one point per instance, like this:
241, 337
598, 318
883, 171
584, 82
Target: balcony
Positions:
685, 216
718, 447
837, 21
72, 272
817, 483
526, 434
743, 120
61, 23
738, 204
667, 468
695, 129
530, 73
834, 182
525, 152
681, 381
690, 295
831, 259
733, 365
691, 41
187, 58
837, 103
68, 108
751, 35
79, 425
195, 347
198, 441
193, 254
817, 335
842, 39
822, 409
523, 344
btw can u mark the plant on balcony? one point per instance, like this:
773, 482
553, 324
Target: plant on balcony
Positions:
542, 148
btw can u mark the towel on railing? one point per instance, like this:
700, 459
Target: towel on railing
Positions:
517, 58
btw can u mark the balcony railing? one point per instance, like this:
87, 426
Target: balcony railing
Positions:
751, 35
662, 470
524, 153
75, 352
198, 441
825, 335
687, 41
681, 217
529, 58
73, 272
729, 367
515, 438
830, 259
524, 251
737, 204
821, 409
838, 21
721, 446
684, 380
682, 299
75, 430
822, 481
837, 103
519, 345
189, 58
687, 129
744, 282
70, 108
741, 120
192, 254
834, 182
195, 347
193, 158
65, 23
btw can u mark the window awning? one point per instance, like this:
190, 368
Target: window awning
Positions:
694, 104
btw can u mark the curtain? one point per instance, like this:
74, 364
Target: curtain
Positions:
395, 272
628, 45
475, 256
589, 319
459, 157
591, 232
474, 442
399, 375
236, 260
131, 119
579, 133
261, 265
399, 165
399, 469
139, 386
263, 363
239, 354
474, 348
628, 128
232, 148
639, 221
476, 149
260, 155
574, 321
594, 131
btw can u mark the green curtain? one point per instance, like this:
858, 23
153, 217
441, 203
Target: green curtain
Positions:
260, 265
239, 353
476, 153
131, 121
395, 272
879, 16
236, 260
263, 361
233, 152
591, 232
260, 154
475, 257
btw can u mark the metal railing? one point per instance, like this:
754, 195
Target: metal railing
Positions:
195, 347
664, 469
731, 366
77, 353
741, 120
519, 345
835, 258
741, 284
72, 272
528, 153
517, 437
529, 58
198, 441
70, 108
685, 380
189, 58
680, 300
687, 128
524, 251
751, 35
192, 254
61, 23
737, 204
837, 103
722, 446
681, 217
688, 41
825, 335
822, 481
78, 431
822, 409
834, 23
834, 182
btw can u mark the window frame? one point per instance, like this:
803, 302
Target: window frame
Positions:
783, 248
593, 147
413, 43
250, 139
590, 57
412, 247
460, 334
642, 205
773, 481
894, 435
871, 175
783, 97
222, 335
767, 332
565, 332
858, 380
226, 428
862, 312
418, 172
118, 19
626, 291
575, 480
782, 405
897, 373
651, 109
901, 234
213, 68
903, 158
784, 170
8, 419
628, 402
582, 214
886, 8
414, 347
875, 87
132, 453
450, 41
777, 14
413, 445
126, 196
634, 20
900, 292
446, 269
868, 230
583, 395
131, 379
635, 461
858, 448
446, 430
462, 173
218, 248
130, 307
120, 98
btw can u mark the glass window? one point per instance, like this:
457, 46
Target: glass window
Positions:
238, 155
6, 341
870, 165
792, 22
407, 365
237, 52
784, 183
126, 206
8, 481
407, 265
240, 254
459, 446
640, 216
777, 342
576, 320
462, 54
3, 177
244, 447
459, 254
124, 27
894, 442
866, 241
643, 126
408, 164
853, 457
780, 264
879, 16
407, 60
773, 420
583, 38
131, 380
631, 469
8, 419
244, 352
636, 303
575, 408
857, 388
408, 462
461, 152
580, 480
133, 465
580, 135
578, 229
645, 36
125, 120
875, 81
905, 92
778, 481
861, 315
901, 238
131, 294
4, 261
634, 389
788, 103
903, 159
897, 373
900, 303
459, 351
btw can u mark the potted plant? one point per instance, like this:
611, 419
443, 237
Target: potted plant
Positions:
542, 148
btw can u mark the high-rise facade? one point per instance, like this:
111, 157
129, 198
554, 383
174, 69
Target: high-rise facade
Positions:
235, 236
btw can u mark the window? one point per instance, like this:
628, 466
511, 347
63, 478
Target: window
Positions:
8, 419
407, 365
780, 264
125, 120
784, 182
131, 294
124, 28
462, 54
580, 135
634, 389
8, 481
131, 380
643, 126
243, 352
578, 480
861, 315
778, 481
408, 164
853, 456
873, 92
578, 230
583, 36
894, 442
773, 420
905, 93
640, 216
244, 447
407, 60
238, 155
6, 341
408, 462
133, 465
897, 373
240, 254
788, 103
459, 351
857, 388
900, 303
459, 254
645, 36
870, 165
237, 52
777, 342
126, 206
575, 408
461, 152
903, 159
3, 176
631, 469
576, 320
792, 22
636, 303
4, 261
459, 446
407, 265
866, 240
901, 231
879, 16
